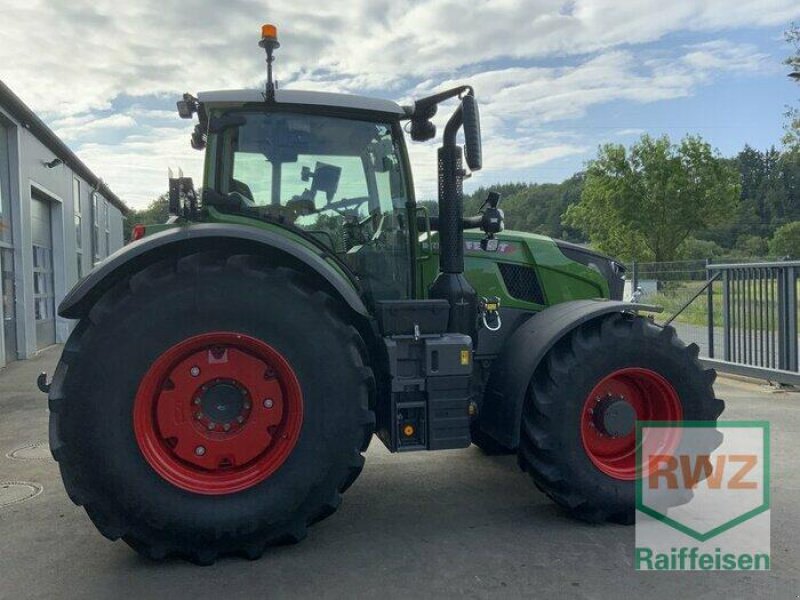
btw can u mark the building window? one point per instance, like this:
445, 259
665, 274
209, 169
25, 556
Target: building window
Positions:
108, 226
76, 202
96, 226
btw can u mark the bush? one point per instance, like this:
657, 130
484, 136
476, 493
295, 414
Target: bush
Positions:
786, 241
694, 249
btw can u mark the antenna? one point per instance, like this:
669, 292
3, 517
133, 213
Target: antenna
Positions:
269, 42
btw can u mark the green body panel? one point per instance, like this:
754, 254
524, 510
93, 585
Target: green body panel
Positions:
213, 215
561, 279
153, 229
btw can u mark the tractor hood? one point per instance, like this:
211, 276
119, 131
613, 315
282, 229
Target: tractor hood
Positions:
554, 256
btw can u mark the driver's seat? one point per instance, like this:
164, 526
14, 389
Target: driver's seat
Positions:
241, 188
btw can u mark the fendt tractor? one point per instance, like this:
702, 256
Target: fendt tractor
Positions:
229, 367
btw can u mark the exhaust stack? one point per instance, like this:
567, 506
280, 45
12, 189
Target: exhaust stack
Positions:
450, 284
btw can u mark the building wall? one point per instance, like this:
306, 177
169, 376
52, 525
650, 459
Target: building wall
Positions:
76, 245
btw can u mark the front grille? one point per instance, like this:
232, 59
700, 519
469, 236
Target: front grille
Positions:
522, 282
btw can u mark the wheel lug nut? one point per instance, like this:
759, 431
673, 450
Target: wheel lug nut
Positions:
240, 419
268, 403
198, 415
197, 400
211, 426
226, 427
200, 450
195, 371
246, 405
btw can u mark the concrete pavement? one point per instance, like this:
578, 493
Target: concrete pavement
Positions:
427, 525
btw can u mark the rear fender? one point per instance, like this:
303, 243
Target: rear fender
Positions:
196, 238
501, 412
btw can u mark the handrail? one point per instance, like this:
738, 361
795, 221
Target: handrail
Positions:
693, 298
756, 265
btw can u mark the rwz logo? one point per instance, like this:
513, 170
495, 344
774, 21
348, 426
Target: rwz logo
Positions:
702, 495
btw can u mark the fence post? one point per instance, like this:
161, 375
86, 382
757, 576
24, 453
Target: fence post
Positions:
783, 350
710, 310
791, 318
726, 315
634, 278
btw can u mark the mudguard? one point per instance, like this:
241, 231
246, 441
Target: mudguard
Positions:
207, 236
501, 412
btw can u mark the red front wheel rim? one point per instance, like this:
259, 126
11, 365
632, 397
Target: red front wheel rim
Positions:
218, 413
610, 411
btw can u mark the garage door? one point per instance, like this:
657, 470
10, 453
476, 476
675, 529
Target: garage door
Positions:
43, 294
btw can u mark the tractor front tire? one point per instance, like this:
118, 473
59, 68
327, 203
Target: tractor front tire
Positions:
211, 405
622, 368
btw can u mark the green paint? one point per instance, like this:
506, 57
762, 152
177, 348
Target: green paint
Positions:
216, 216
562, 279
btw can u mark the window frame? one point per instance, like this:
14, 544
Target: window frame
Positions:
94, 201
218, 156
107, 223
78, 221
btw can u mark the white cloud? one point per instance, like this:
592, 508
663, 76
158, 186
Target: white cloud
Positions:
136, 167
95, 68
70, 57
76, 127
630, 131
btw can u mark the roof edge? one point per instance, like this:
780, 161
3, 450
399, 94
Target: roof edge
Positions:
20, 111
304, 97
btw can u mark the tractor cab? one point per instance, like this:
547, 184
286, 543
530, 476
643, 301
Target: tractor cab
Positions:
332, 167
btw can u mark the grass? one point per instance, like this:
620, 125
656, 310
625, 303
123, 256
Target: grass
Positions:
675, 294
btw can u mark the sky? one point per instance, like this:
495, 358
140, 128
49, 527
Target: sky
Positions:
554, 79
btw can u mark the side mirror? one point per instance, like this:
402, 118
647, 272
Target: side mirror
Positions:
472, 132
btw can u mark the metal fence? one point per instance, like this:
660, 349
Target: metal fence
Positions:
743, 316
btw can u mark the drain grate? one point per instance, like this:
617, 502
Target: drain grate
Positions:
14, 492
35, 451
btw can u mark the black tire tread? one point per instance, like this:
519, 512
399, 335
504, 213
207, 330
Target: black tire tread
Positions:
206, 552
537, 454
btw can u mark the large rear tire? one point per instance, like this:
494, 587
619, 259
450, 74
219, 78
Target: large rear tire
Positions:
628, 369
211, 405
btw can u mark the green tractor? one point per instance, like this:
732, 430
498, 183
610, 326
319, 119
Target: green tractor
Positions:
229, 368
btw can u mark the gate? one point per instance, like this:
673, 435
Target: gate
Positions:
758, 320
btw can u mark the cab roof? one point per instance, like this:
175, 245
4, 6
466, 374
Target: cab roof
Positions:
365, 103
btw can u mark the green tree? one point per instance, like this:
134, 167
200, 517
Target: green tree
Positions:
645, 202
791, 138
694, 249
156, 212
786, 241
751, 246
535, 207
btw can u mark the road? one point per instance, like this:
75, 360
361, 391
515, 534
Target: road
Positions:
452, 524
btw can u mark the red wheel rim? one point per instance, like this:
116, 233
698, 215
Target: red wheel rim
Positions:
218, 413
650, 396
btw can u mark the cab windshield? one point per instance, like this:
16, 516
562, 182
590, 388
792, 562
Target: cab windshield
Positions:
339, 179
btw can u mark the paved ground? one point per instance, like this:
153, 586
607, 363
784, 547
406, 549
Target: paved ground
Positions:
448, 524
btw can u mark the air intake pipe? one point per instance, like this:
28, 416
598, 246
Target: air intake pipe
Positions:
450, 283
